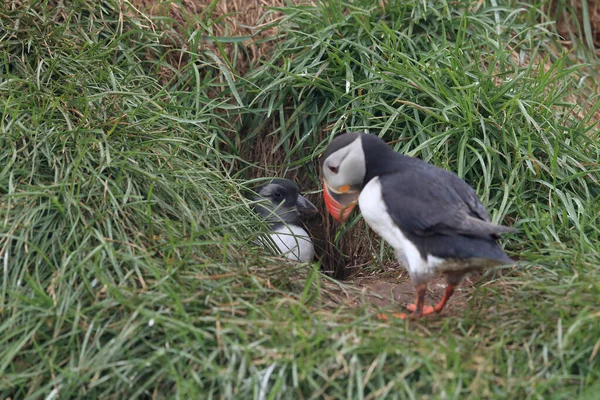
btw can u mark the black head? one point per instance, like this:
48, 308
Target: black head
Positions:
355, 158
350, 162
339, 142
280, 201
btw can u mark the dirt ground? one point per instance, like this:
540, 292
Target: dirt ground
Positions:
392, 289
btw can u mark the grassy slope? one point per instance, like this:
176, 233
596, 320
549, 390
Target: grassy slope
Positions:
126, 268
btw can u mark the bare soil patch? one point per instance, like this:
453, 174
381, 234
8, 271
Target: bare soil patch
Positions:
392, 289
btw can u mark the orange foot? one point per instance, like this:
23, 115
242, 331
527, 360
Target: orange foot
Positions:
426, 310
384, 317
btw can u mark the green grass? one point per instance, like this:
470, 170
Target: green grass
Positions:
128, 268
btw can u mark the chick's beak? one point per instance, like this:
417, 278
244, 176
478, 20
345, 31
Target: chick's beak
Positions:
305, 207
340, 202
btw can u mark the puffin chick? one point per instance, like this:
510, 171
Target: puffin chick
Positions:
280, 203
431, 217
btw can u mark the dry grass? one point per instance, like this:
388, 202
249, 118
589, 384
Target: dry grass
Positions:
571, 17
221, 19
569, 23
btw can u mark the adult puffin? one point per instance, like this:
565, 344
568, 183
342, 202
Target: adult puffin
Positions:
431, 217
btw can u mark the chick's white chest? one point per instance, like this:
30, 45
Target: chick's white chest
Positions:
375, 213
293, 242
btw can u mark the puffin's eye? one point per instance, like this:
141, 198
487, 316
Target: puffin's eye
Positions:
277, 195
333, 169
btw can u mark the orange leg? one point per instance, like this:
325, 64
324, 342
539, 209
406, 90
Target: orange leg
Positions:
439, 306
418, 308
426, 310
447, 294
384, 317
419, 304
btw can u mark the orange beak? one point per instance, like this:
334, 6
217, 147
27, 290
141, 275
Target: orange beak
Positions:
339, 203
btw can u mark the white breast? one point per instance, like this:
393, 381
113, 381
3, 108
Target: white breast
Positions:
376, 215
293, 242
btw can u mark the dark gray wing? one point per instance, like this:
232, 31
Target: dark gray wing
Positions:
432, 201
